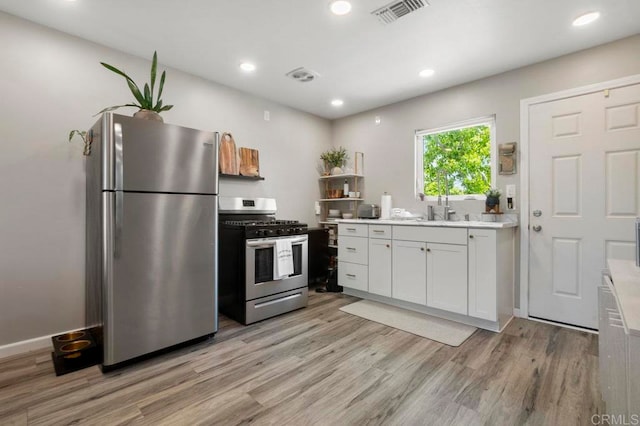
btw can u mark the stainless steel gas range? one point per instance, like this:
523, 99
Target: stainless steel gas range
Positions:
249, 288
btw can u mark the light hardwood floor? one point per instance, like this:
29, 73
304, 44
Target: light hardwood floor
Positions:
321, 366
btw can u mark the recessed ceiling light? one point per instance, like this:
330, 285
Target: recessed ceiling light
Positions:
247, 67
340, 7
585, 19
337, 102
426, 73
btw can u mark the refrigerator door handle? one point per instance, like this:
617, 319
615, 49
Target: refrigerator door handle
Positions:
119, 157
216, 163
118, 213
119, 198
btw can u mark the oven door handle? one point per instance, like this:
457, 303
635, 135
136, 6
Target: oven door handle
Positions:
271, 243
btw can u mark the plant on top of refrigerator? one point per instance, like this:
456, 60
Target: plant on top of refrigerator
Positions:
144, 97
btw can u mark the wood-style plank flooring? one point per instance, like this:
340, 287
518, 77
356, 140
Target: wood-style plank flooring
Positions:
321, 366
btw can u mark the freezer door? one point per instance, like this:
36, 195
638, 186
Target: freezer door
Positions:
161, 278
156, 157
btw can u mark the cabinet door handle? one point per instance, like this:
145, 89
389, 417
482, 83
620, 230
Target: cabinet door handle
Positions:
421, 248
428, 250
470, 236
351, 275
378, 231
351, 229
350, 248
387, 245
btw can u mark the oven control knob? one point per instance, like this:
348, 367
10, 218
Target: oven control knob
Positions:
260, 233
270, 232
280, 231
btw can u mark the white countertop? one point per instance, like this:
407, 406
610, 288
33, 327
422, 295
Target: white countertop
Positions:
438, 223
626, 281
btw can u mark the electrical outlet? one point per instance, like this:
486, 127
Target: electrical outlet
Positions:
267, 116
511, 197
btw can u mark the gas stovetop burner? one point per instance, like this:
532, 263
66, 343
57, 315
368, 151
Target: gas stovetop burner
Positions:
255, 218
264, 228
251, 222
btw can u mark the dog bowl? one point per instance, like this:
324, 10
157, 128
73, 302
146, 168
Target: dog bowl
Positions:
75, 346
67, 337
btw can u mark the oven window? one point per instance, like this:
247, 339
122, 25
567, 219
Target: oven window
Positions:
265, 259
264, 265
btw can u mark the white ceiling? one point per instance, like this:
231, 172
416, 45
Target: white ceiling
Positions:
360, 60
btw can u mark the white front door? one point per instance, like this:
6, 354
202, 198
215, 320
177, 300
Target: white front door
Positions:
584, 195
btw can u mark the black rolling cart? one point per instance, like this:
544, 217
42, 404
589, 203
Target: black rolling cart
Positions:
323, 264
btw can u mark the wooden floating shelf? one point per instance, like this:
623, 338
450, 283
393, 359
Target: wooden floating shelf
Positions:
342, 199
347, 175
240, 177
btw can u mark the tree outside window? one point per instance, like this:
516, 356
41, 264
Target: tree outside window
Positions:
464, 154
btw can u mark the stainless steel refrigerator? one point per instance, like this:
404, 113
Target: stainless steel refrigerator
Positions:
151, 245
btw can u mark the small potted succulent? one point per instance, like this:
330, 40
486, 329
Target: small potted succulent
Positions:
148, 108
334, 159
492, 203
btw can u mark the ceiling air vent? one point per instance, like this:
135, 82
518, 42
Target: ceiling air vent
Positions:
397, 9
302, 75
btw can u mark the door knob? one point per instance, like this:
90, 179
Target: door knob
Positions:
537, 228
537, 213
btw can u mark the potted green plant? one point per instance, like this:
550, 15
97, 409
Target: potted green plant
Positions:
334, 160
492, 203
148, 108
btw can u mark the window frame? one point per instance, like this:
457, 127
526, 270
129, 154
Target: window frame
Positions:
418, 174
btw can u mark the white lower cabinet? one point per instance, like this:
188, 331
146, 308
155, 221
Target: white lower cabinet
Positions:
353, 256
380, 267
482, 274
353, 250
409, 270
465, 271
615, 350
353, 276
447, 277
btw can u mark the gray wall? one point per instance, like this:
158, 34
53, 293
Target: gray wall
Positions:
51, 83
389, 146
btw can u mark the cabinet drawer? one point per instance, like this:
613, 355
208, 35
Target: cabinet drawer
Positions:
352, 275
380, 231
353, 229
430, 234
353, 249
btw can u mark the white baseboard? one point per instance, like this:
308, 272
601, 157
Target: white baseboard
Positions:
516, 313
25, 346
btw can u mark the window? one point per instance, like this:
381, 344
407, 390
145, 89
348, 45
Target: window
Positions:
460, 154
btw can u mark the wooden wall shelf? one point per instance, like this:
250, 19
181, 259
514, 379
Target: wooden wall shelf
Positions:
239, 177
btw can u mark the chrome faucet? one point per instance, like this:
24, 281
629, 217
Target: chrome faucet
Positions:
447, 208
439, 189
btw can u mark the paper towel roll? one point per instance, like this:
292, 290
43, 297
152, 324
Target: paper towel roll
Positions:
385, 206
